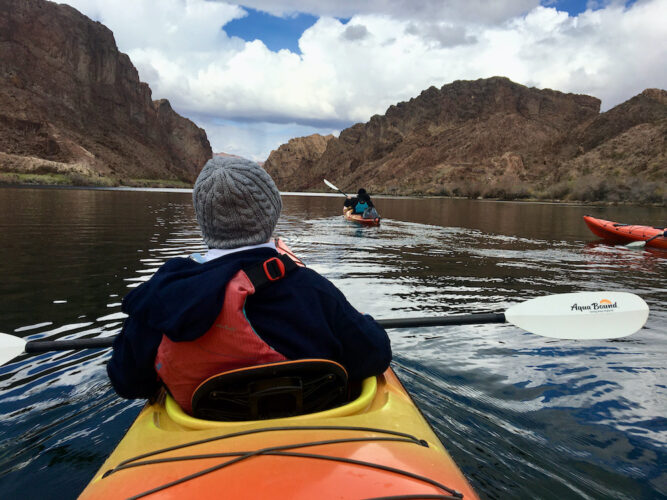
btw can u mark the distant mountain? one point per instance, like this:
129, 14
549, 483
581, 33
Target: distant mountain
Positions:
493, 138
299, 155
71, 103
227, 155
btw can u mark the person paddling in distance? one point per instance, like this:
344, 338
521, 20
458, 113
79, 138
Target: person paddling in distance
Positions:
361, 204
240, 304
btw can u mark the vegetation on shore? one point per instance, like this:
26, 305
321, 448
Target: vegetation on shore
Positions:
80, 180
586, 189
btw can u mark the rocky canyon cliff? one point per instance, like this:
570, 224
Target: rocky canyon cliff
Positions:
493, 138
71, 103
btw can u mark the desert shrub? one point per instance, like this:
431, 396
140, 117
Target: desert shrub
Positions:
646, 192
557, 191
443, 191
589, 188
31, 178
633, 191
508, 187
78, 179
469, 189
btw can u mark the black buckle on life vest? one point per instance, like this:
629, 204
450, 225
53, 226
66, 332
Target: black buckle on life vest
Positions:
271, 270
274, 269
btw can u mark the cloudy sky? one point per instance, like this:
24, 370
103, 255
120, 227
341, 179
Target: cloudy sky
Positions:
257, 74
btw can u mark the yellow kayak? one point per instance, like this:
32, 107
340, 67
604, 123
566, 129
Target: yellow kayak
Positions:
377, 445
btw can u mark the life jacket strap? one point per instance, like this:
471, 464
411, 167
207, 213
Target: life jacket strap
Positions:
273, 269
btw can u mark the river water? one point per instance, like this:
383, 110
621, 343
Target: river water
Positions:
524, 416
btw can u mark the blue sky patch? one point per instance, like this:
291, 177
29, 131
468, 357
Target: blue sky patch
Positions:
576, 7
276, 32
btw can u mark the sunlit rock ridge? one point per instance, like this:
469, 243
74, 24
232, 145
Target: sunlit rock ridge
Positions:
492, 138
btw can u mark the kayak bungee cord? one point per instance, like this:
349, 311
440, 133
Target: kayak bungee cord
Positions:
243, 454
270, 429
278, 451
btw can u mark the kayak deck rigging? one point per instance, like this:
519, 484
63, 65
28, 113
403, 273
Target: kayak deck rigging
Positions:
399, 437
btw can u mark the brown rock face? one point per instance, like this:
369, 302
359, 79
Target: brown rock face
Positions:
628, 143
69, 100
286, 163
485, 137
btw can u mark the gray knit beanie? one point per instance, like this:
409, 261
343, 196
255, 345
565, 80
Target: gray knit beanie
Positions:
236, 202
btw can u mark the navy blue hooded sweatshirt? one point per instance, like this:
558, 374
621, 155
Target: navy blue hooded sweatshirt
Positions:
302, 315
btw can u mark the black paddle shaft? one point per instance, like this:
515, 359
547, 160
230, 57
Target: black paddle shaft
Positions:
468, 319
35, 346
68, 345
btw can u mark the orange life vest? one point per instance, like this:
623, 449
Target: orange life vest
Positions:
229, 344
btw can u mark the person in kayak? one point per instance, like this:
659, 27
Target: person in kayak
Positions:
239, 304
360, 204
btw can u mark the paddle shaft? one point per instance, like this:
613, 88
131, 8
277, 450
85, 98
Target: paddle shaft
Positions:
67, 345
35, 346
468, 319
659, 235
639, 244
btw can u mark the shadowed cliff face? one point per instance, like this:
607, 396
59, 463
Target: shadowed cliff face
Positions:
69, 101
489, 137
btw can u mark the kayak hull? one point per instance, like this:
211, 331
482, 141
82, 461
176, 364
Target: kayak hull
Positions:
361, 452
352, 217
625, 233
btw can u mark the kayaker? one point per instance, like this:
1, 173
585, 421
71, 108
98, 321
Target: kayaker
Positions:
236, 305
359, 204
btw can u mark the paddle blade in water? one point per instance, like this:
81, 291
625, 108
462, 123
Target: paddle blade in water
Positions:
581, 315
10, 347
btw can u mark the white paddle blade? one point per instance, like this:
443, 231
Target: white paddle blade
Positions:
331, 185
581, 315
10, 347
636, 244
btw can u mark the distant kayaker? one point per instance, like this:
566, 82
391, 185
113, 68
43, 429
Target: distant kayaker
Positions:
360, 204
239, 304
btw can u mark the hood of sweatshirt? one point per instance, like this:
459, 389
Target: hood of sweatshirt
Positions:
184, 297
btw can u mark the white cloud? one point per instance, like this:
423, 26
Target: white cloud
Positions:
389, 51
179, 26
478, 11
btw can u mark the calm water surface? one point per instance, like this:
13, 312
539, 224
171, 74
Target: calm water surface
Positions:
522, 415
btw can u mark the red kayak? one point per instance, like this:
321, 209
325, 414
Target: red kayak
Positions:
626, 233
359, 219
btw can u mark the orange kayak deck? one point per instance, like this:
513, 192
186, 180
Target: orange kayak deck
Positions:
385, 448
625, 233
